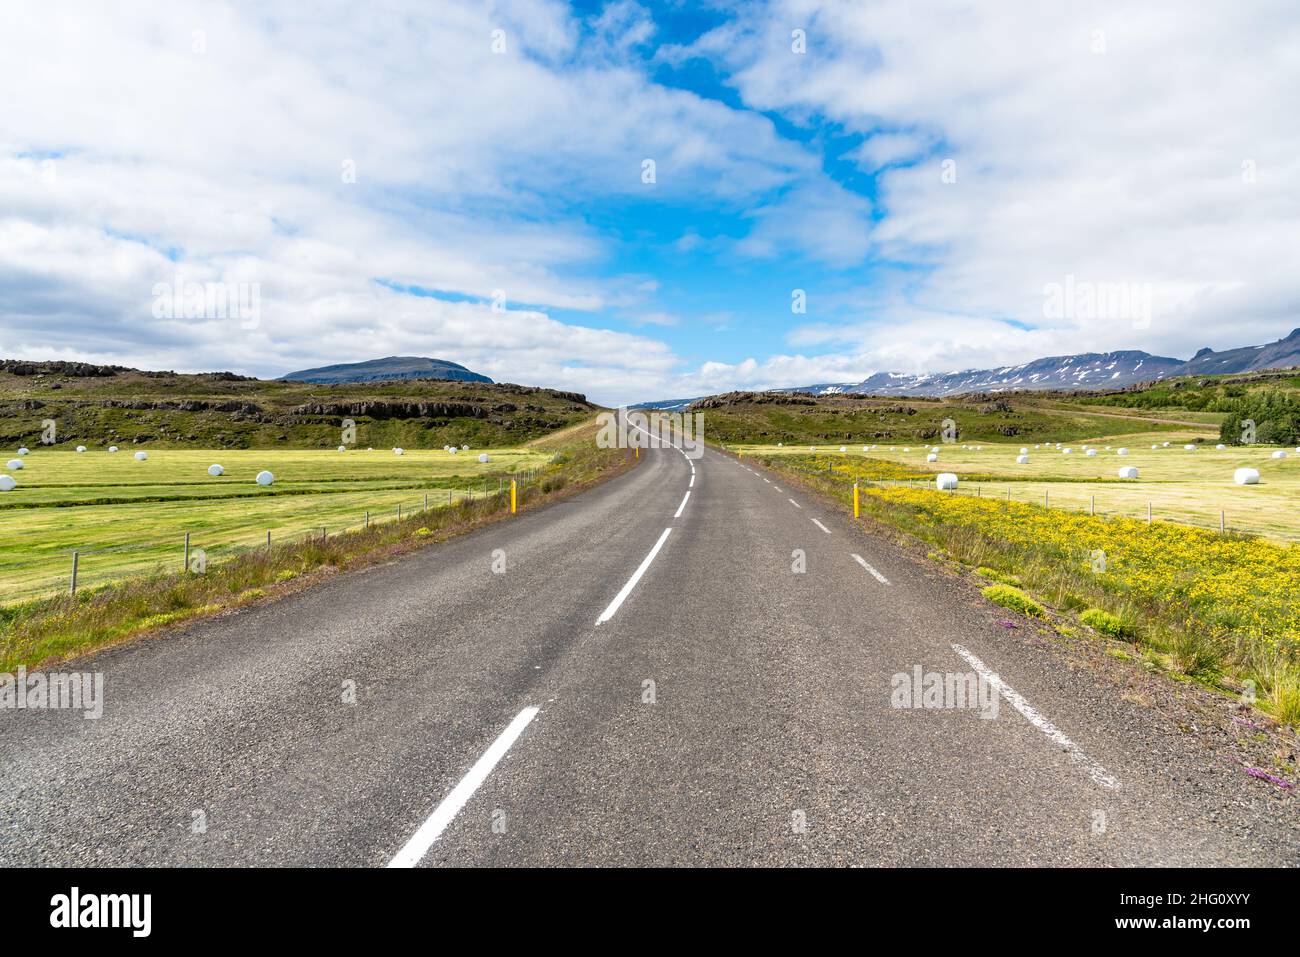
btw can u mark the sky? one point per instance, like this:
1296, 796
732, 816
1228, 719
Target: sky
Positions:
644, 201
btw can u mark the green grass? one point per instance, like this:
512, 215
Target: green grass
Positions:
1103, 622
1008, 596
1187, 487
135, 409
42, 630
130, 518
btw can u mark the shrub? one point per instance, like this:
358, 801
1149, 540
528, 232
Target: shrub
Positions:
1008, 596
985, 572
1103, 622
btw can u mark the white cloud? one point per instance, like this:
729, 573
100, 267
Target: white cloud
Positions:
221, 141
1117, 166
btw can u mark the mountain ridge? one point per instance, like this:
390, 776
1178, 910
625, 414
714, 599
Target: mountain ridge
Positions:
1087, 371
388, 369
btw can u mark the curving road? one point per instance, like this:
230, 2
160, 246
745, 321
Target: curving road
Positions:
648, 681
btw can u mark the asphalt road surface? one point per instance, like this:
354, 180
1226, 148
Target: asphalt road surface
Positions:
626, 677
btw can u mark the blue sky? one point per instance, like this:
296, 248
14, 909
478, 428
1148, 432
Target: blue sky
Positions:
464, 180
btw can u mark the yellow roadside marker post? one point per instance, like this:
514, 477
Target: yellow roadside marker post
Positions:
856, 510
512, 496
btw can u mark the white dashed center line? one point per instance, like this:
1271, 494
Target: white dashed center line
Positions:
621, 597
445, 813
794, 503
821, 526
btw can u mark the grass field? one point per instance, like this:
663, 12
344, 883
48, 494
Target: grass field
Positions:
128, 518
1181, 486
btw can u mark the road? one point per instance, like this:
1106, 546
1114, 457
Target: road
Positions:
503, 715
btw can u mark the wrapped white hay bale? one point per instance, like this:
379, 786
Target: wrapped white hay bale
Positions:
1024, 450
265, 478
142, 456
215, 470
1165, 444
1189, 447
452, 451
81, 448
1155, 446
907, 448
13, 465
7, 483
945, 481
1022, 459
1220, 447
1067, 451
1121, 452
1092, 453
932, 457
343, 448
112, 448
24, 450
1246, 476
1128, 471
843, 449
1279, 454
399, 451
483, 457
464, 448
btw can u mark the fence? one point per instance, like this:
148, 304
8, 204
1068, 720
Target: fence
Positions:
193, 553
1050, 497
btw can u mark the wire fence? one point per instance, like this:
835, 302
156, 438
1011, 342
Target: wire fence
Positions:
1065, 496
86, 567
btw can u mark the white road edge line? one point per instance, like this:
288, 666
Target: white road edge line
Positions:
608, 613
821, 526
794, 503
1095, 771
445, 813
678, 514
875, 574
691, 483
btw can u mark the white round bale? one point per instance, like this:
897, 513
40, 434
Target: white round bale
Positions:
1122, 452
1220, 447
1246, 476
14, 465
945, 481
1024, 450
483, 457
215, 470
1092, 453
141, 456
399, 451
1022, 459
265, 478
1189, 447
81, 448
112, 448
24, 450
1128, 471
932, 457
1279, 454
343, 448
7, 483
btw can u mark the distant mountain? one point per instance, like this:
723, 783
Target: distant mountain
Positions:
379, 370
1088, 370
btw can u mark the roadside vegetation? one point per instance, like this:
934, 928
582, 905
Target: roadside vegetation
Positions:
1203, 606
43, 631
